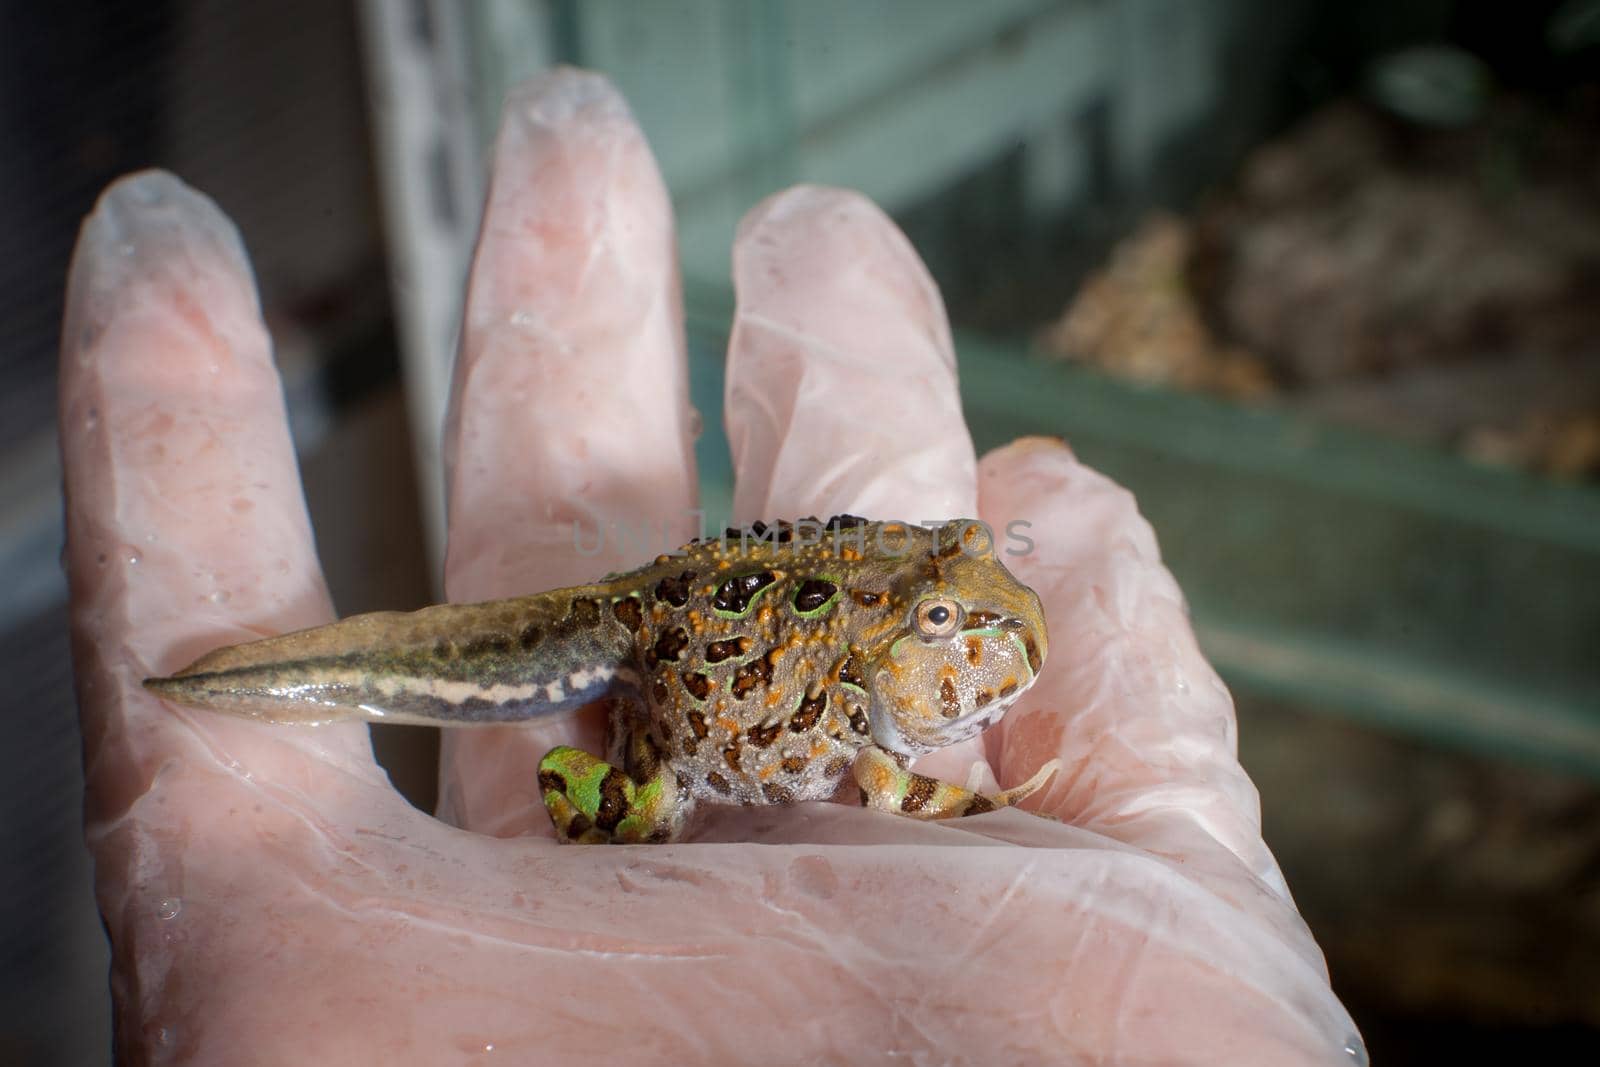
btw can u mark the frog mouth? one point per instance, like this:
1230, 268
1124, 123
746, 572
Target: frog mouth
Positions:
888, 735
978, 720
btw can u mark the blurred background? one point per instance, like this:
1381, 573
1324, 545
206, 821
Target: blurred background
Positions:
1319, 282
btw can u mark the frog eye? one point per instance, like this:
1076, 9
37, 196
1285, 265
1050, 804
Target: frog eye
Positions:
938, 617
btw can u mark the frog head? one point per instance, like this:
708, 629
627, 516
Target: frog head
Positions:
970, 642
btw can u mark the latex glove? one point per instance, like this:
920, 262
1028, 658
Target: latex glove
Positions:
270, 899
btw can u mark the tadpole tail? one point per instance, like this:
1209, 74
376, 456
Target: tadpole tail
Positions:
453, 664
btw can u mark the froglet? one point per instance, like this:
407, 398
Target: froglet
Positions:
760, 667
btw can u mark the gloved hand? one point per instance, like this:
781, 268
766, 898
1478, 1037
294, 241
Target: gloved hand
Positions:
271, 899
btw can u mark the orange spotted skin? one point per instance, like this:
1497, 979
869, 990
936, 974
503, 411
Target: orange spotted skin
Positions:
762, 649
754, 668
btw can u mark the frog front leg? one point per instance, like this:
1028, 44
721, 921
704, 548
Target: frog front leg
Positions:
888, 786
594, 802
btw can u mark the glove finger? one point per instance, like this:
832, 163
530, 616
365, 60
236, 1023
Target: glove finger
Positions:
1144, 726
570, 410
841, 391
186, 528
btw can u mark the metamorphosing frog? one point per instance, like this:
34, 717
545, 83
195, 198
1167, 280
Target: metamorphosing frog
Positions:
756, 668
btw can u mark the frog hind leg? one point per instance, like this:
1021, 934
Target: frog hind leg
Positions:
594, 802
888, 786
